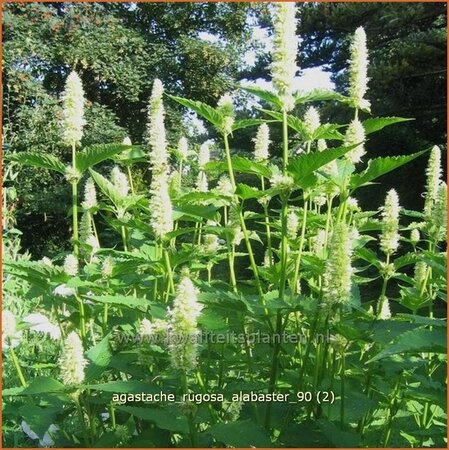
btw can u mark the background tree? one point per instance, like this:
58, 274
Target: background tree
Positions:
407, 50
118, 49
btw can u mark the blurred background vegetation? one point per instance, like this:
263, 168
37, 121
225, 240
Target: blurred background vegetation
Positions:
199, 51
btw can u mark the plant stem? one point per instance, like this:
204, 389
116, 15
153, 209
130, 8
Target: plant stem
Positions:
125, 245
274, 367
342, 389
384, 290
301, 247
75, 205
267, 224
17, 366
192, 428
171, 284
82, 318
130, 178
242, 220
81, 418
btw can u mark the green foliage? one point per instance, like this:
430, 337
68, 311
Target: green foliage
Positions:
275, 309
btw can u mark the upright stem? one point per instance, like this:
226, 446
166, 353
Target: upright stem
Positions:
171, 284
17, 366
75, 205
242, 220
267, 224
192, 429
301, 247
130, 179
384, 289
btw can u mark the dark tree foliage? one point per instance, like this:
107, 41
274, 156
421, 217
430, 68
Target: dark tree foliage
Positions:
407, 48
118, 49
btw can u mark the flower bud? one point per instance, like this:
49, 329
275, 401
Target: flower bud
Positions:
261, 143
285, 48
338, 270
389, 240
358, 69
72, 362
355, 134
73, 110
71, 265
183, 321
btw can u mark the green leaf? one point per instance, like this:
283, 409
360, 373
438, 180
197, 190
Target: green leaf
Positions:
195, 212
39, 419
377, 123
202, 109
306, 164
107, 187
42, 385
328, 131
130, 302
339, 437
95, 154
35, 159
381, 166
245, 123
318, 95
162, 418
242, 433
415, 341
268, 96
246, 192
99, 358
240, 164
133, 155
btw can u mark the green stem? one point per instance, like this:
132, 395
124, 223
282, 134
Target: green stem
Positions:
75, 205
82, 422
171, 284
384, 290
342, 389
267, 224
82, 318
284, 142
192, 428
242, 221
274, 368
301, 247
17, 366
125, 245
130, 179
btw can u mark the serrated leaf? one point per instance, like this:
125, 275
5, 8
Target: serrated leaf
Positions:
42, 385
246, 192
202, 109
380, 166
415, 341
306, 164
268, 96
318, 95
38, 419
162, 418
99, 358
240, 434
339, 438
35, 159
95, 154
245, 123
106, 187
130, 302
240, 164
377, 123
